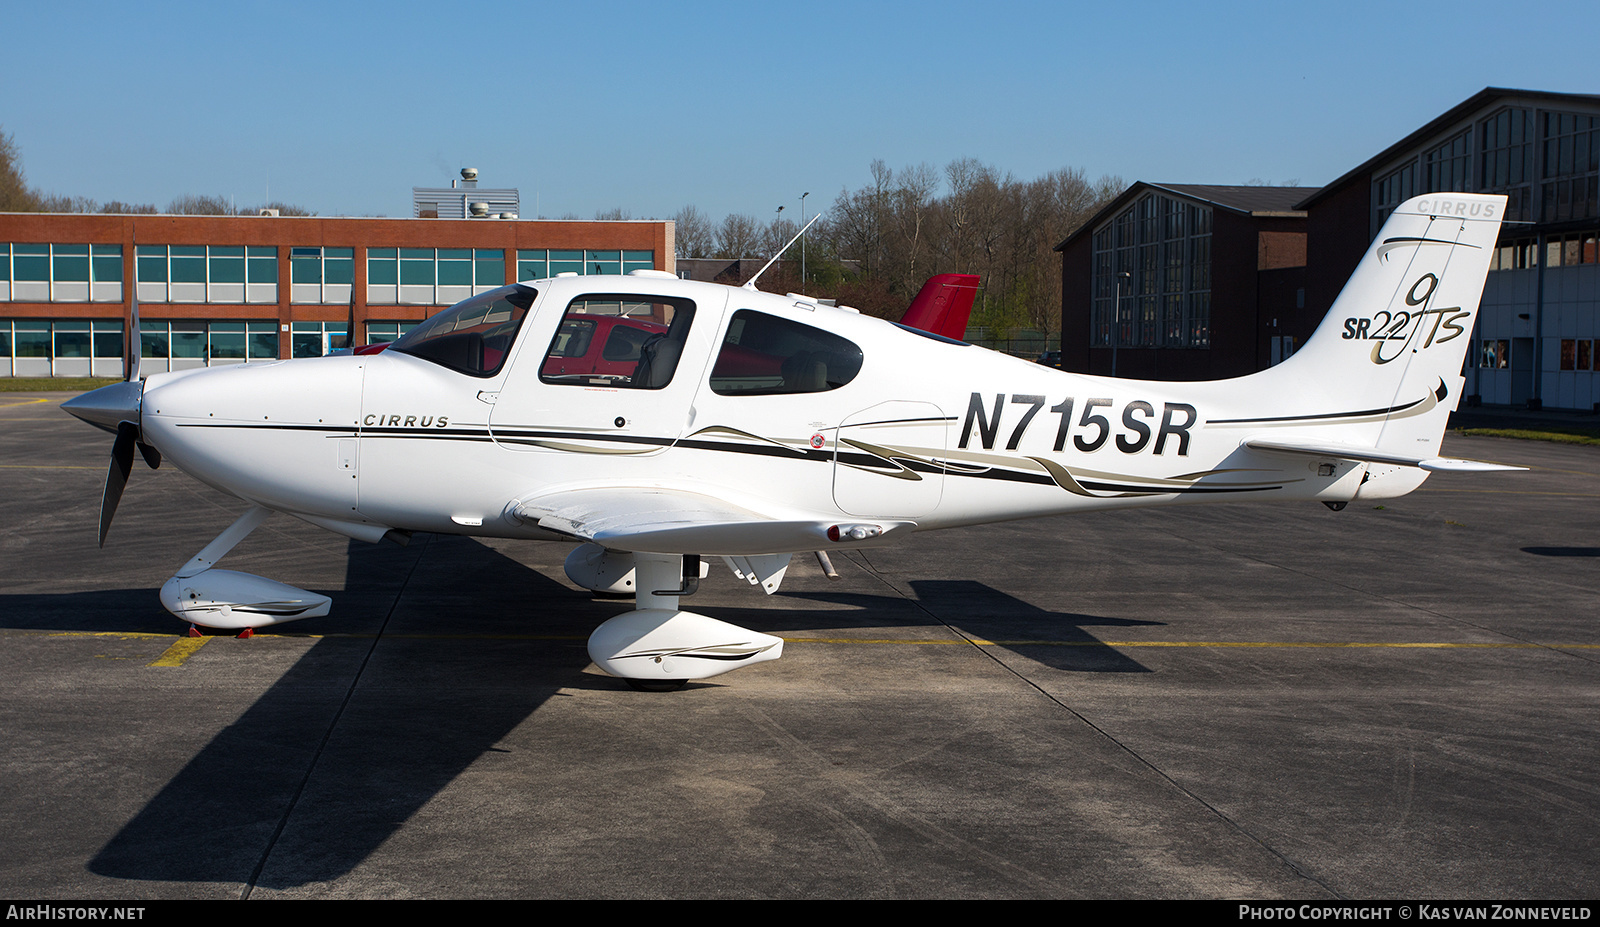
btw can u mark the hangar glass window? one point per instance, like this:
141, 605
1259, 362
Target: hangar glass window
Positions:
1151, 276
763, 355
474, 335
1447, 167
1395, 188
619, 340
1506, 165
1571, 188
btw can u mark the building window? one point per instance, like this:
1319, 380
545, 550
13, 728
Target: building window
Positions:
62, 348
489, 268
432, 277
1571, 180
321, 275
1447, 167
535, 265
1394, 189
382, 332
1496, 355
60, 273
1507, 162
318, 339
206, 274
1577, 354
1571, 250
1518, 254
179, 345
1164, 246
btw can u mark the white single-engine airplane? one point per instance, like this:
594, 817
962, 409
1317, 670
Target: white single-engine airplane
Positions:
748, 426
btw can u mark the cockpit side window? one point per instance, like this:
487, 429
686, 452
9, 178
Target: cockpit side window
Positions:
474, 335
764, 355
608, 339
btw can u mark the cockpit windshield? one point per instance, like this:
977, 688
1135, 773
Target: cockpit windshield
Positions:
474, 335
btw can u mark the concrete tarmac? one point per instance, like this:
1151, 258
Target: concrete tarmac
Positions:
1395, 701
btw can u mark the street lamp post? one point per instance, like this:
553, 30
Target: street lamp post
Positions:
1116, 320
803, 239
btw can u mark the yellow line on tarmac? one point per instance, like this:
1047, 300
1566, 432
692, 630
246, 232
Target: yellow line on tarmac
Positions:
25, 402
120, 635
182, 649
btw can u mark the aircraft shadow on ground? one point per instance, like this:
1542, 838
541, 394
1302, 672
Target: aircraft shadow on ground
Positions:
353, 772
352, 768
984, 612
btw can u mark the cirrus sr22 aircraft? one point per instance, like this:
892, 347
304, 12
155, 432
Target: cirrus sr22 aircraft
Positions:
749, 427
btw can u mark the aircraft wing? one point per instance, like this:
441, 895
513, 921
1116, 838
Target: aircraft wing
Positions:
674, 521
1311, 448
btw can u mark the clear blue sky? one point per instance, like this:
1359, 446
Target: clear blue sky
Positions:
343, 107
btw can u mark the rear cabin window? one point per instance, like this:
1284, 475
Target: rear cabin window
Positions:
472, 336
763, 355
628, 341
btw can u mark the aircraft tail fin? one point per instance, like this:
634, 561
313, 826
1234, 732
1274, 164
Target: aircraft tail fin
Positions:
943, 305
1382, 373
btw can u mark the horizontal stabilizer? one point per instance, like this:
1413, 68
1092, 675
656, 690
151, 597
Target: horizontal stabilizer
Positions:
1370, 455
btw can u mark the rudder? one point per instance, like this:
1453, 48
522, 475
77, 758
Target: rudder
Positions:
1393, 343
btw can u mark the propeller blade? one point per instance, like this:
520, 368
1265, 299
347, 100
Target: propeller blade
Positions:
135, 337
152, 457
117, 474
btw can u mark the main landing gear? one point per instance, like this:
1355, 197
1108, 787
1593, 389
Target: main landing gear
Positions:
657, 647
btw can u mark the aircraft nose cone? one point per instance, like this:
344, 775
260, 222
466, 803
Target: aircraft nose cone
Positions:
108, 406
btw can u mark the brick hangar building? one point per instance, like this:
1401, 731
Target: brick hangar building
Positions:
1222, 281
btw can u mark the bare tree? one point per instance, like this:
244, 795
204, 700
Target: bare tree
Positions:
118, 207
777, 233
56, 202
904, 226
693, 234
190, 204
738, 236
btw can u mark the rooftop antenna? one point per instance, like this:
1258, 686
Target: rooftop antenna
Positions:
751, 283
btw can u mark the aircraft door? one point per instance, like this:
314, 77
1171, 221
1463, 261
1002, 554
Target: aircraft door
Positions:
889, 460
611, 374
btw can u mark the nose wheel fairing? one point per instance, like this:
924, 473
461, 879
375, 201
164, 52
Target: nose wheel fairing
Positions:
232, 601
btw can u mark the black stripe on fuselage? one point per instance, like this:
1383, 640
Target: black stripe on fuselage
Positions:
863, 461
1301, 418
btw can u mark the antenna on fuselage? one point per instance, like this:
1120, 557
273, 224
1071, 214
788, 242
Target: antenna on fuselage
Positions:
751, 283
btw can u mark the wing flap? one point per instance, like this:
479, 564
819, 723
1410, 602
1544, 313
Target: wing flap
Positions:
673, 521
1310, 448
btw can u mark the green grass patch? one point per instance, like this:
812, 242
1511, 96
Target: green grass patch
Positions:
53, 384
1560, 434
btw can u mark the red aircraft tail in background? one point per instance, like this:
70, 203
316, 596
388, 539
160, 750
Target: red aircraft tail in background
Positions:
943, 305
